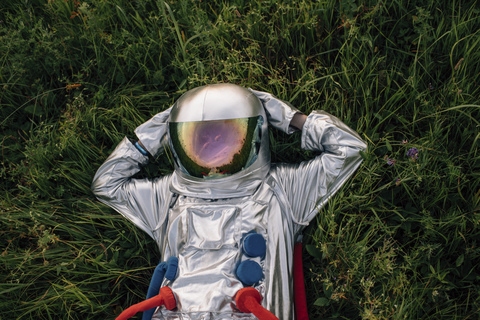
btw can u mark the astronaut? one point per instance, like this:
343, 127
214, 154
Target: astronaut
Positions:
229, 216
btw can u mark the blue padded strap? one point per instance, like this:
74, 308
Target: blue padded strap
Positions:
172, 267
154, 287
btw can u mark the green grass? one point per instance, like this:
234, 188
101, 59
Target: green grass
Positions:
399, 241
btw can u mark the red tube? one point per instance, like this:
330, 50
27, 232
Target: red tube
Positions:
248, 301
299, 284
165, 297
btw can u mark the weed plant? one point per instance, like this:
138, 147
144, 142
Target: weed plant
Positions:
400, 241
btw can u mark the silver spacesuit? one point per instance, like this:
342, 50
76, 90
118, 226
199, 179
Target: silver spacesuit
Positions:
205, 209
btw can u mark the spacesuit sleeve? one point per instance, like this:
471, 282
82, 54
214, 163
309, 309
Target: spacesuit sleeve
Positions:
142, 201
310, 184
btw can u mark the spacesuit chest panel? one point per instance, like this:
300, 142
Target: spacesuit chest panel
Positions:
212, 227
206, 237
201, 224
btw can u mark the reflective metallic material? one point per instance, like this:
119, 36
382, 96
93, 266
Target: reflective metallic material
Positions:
212, 143
203, 221
209, 118
216, 102
211, 149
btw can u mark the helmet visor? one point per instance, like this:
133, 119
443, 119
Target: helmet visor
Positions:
215, 148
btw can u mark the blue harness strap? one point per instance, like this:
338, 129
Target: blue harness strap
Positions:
154, 287
164, 269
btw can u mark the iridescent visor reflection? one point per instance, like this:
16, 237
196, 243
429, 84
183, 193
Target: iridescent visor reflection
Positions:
214, 146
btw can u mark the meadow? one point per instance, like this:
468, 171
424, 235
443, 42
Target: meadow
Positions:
401, 240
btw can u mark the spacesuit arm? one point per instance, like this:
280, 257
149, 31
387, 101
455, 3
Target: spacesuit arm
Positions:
310, 184
142, 201
279, 113
152, 134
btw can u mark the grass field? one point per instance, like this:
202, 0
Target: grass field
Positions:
401, 240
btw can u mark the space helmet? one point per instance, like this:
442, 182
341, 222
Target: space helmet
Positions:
217, 130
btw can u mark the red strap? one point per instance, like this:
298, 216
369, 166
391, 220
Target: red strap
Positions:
165, 297
248, 301
299, 284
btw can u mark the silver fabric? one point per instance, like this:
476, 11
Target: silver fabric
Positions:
279, 113
202, 222
149, 133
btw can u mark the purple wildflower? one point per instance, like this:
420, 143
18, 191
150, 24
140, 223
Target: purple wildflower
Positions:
391, 162
398, 182
413, 153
